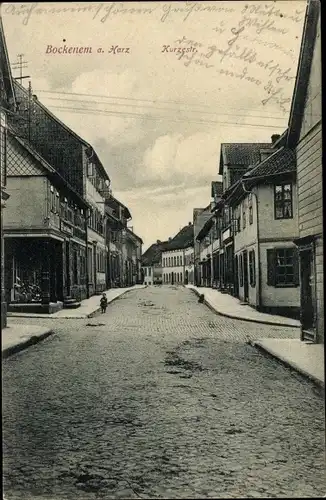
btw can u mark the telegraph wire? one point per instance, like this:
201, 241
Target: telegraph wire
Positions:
158, 118
154, 101
84, 101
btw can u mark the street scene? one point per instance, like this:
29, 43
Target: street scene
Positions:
159, 398
162, 303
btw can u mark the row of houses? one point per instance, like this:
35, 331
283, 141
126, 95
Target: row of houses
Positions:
171, 262
260, 238
64, 235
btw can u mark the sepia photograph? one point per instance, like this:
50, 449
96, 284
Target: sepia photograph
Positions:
162, 304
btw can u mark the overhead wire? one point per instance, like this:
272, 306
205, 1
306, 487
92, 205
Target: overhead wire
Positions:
159, 117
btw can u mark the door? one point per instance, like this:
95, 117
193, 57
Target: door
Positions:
307, 302
68, 280
236, 277
186, 278
245, 276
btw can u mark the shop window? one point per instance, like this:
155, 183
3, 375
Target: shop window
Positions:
283, 201
252, 268
282, 267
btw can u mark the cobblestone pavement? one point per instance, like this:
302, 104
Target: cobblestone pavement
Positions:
158, 398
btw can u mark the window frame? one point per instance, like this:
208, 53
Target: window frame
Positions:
283, 201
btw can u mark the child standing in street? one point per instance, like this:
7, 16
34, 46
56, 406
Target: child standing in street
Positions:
103, 303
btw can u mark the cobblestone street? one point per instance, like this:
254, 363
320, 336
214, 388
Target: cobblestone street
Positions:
158, 398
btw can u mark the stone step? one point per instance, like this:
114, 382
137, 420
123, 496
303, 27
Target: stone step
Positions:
71, 305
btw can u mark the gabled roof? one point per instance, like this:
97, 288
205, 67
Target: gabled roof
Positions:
241, 153
280, 162
111, 200
303, 72
90, 150
5, 66
133, 235
154, 253
183, 239
46, 166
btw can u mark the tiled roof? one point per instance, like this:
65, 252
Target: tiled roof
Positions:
153, 253
242, 153
280, 162
184, 238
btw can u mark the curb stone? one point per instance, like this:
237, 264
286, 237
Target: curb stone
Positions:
288, 364
249, 320
35, 339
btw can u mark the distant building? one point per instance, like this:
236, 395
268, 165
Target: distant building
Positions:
305, 137
178, 258
152, 263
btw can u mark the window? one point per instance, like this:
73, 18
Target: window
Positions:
241, 270
175, 261
149, 271
250, 215
282, 267
283, 201
243, 219
252, 268
180, 277
180, 260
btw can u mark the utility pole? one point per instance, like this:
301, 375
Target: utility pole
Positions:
20, 65
29, 109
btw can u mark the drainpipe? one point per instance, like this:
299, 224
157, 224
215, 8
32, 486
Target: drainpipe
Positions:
258, 244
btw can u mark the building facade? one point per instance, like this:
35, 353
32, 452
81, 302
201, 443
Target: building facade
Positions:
45, 233
265, 224
178, 258
7, 106
152, 269
78, 164
305, 137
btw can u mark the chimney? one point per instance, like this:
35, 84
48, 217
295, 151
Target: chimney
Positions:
170, 238
189, 223
275, 138
158, 242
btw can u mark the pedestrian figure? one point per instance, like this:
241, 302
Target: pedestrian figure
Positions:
103, 303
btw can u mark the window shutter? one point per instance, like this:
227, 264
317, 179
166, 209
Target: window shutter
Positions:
271, 267
296, 277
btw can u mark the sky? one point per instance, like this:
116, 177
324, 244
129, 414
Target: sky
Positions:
191, 76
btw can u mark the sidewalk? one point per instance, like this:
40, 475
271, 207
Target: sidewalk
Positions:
226, 305
16, 337
306, 358
88, 308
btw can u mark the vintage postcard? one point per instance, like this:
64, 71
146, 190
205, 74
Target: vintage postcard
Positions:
162, 310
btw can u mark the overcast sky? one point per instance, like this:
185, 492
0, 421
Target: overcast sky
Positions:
157, 118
